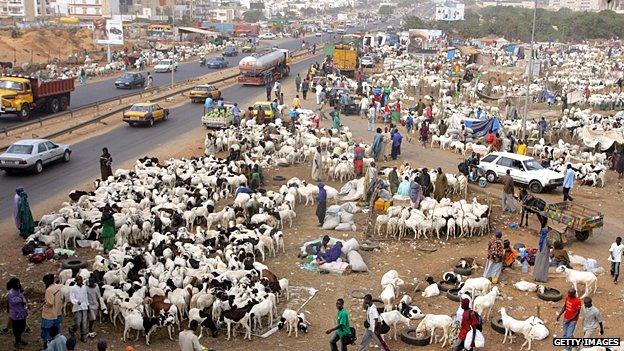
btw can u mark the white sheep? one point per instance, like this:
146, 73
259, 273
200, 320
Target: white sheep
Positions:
573, 276
290, 320
486, 302
394, 318
480, 284
433, 321
389, 293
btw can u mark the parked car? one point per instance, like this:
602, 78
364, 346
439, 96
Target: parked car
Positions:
525, 170
318, 34
145, 113
130, 80
217, 62
33, 154
166, 65
341, 31
230, 51
267, 36
334, 93
367, 61
201, 92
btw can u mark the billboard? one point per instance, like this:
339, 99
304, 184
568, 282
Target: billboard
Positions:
449, 12
108, 31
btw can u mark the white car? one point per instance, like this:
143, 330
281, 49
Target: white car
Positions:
525, 170
367, 61
318, 34
267, 36
33, 154
166, 65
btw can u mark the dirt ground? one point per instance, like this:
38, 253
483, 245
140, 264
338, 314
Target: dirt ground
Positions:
402, 256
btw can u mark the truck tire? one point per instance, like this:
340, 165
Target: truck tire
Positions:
54, 105
64, 102
25, 112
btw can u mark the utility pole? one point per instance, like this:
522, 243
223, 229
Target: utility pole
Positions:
174, 40
529, 75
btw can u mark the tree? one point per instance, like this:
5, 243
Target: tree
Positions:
253, 16
386, 10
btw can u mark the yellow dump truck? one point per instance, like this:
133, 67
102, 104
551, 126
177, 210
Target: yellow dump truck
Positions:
20, 95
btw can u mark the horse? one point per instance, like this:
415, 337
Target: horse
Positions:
532, 204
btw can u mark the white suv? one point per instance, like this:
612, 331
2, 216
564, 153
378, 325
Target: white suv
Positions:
525, 170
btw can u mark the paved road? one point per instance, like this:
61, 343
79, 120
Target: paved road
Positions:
125, 143
105, 89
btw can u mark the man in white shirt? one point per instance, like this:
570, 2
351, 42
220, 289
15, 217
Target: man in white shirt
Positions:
372, 113
615, 257
188, 340
372, 320
80, 301
319, 93
364, 107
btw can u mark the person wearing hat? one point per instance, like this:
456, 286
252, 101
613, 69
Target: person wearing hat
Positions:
494, 264
469, 319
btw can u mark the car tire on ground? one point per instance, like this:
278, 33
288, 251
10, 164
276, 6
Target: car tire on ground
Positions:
452, 294
535, 186
497, 324
491, 176
150, 122
66, 156
75, 264
550, 294
446, 286
463, 271
409, 337
38, 167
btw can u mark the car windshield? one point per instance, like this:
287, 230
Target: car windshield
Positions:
200, 88
164, 62
7, 84
263, 107
137, 108
532, 165
20, 149
128, 76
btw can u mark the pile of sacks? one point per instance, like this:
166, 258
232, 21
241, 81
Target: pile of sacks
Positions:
340, 217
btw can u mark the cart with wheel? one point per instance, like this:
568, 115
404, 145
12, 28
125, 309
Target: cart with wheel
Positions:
571, 219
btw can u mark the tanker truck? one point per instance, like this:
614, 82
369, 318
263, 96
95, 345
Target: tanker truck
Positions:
263, 67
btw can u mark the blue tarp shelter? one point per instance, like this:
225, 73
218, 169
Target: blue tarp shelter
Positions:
482, 127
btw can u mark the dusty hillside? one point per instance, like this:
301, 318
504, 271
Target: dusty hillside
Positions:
45, 44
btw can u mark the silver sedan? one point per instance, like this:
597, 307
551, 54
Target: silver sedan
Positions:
33, 154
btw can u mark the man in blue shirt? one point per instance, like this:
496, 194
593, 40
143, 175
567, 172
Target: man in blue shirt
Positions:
568, 183
208, 104
221, 106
